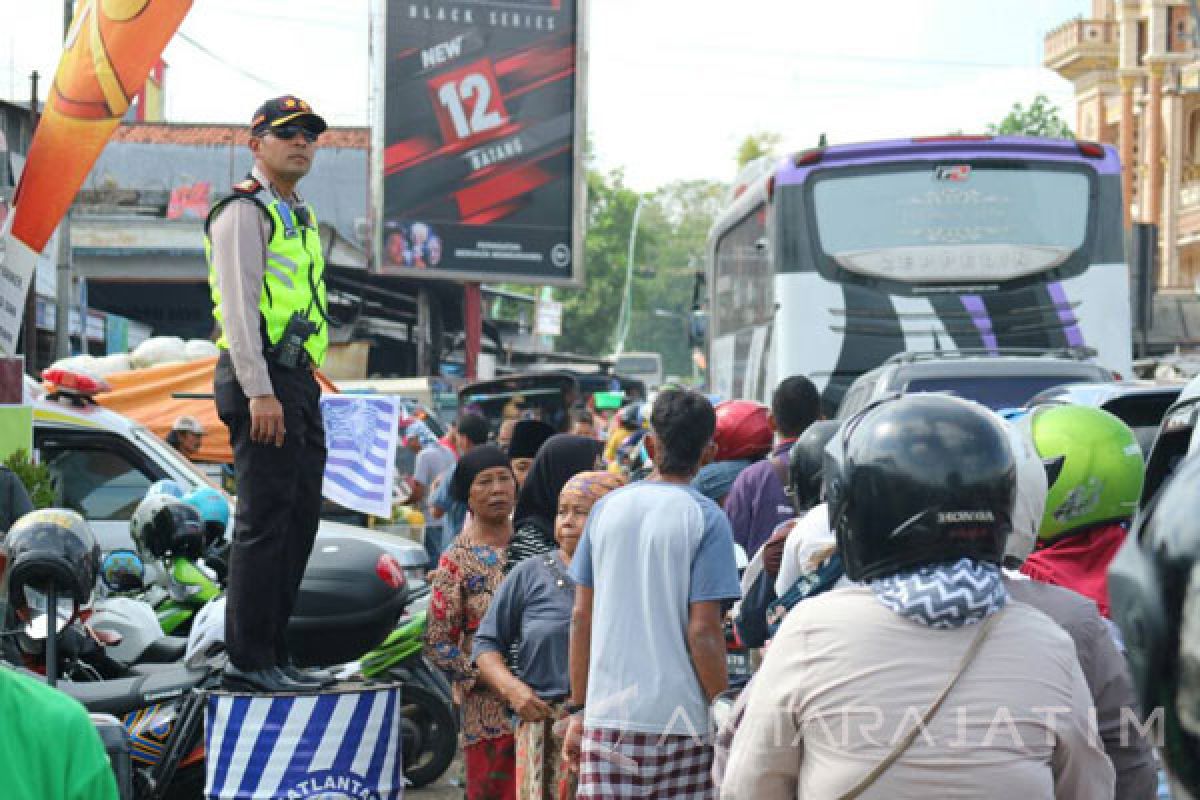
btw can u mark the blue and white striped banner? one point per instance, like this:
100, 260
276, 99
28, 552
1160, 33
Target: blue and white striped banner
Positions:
361, 435
334, 746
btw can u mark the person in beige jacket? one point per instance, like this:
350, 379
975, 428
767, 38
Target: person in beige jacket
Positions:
920, 494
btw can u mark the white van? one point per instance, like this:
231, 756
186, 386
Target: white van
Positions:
646, 367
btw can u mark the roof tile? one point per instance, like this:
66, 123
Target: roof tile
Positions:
210, 134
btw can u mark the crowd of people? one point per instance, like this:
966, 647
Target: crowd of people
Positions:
925, 586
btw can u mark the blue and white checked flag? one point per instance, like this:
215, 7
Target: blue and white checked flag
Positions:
303, 747
361, 436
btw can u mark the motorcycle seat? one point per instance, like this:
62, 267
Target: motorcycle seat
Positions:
167, 650
124, 695
152, 668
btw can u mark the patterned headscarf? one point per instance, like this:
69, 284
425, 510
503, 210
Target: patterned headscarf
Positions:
944, 595
591, 486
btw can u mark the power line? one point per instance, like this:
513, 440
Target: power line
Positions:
241, 71
707, 51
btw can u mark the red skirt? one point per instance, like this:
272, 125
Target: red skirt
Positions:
491, 769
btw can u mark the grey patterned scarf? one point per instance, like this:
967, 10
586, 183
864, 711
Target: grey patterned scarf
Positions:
944, 595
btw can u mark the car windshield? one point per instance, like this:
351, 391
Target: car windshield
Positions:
994, 391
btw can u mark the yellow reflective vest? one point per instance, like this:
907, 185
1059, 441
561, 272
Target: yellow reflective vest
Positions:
295, 268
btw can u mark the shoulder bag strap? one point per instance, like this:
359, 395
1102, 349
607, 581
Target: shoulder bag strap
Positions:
780, 465
904, 743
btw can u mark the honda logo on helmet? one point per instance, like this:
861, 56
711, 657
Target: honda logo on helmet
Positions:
961, 517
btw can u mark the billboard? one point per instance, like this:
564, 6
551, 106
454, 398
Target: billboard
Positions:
478, 141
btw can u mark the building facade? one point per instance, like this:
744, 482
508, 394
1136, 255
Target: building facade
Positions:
1136, 72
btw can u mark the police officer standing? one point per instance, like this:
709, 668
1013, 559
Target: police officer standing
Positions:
266, 272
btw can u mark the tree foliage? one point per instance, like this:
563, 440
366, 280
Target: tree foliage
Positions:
756, 146
1041, 118
669, 249
590, 314
37, 478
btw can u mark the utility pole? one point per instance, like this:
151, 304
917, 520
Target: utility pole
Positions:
62, 314
30, 345
625, 318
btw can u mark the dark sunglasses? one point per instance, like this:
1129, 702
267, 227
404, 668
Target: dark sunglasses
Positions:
289, 132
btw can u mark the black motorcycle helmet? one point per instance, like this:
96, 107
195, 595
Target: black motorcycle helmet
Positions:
919, 479
1154, 595
50, 544
165, 526
806, 465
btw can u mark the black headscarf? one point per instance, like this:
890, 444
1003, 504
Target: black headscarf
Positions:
528, 436
476, 460
561, 458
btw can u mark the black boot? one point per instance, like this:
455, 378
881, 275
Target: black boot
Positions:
323, 677
270, 681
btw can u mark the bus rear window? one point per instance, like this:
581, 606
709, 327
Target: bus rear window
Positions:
951, 222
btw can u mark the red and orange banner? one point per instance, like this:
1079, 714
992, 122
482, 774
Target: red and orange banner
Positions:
110, 49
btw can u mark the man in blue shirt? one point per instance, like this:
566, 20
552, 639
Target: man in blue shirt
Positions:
653, 568
472, 431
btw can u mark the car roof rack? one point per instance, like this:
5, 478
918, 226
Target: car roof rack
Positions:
912, 356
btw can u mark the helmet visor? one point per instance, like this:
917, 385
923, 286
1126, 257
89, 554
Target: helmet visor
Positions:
37, 604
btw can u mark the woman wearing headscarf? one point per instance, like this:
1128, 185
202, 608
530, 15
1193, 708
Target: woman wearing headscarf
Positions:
532, 609
561, 458
526, 440
462, 586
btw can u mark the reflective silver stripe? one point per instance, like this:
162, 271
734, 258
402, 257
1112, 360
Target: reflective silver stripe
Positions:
286, 262
282, 276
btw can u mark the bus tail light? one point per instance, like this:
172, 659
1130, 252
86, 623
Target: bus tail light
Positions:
771, 189
1090, 149
808, 157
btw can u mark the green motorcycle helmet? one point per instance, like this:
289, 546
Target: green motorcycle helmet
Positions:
1094, 467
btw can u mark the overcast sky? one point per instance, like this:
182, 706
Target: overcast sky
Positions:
674, 85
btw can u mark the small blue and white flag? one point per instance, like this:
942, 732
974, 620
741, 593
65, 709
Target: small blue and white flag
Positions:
333, 746
361, 435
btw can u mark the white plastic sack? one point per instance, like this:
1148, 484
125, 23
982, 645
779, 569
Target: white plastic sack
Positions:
107, 365
197, 349
83, 363
158, 350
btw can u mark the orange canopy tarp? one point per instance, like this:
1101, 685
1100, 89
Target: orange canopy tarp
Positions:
148, 396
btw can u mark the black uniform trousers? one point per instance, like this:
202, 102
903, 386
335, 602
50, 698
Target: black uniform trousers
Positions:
278, 510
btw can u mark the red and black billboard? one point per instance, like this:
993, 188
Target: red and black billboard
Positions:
478, 171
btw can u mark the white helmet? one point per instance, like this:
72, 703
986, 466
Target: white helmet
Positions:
1032, 488
1190, 392
207, 638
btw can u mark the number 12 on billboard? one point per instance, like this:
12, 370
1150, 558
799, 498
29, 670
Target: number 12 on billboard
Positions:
468, 102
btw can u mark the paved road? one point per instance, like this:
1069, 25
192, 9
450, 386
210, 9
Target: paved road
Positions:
438, 791
443, 789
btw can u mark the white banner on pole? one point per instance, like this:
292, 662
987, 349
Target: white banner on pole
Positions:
17, 265
361, 434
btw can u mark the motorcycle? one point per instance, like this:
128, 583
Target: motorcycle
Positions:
190, 586
160, 707
338, 617
430, 730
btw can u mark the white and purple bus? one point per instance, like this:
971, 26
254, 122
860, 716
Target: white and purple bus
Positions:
837, 258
